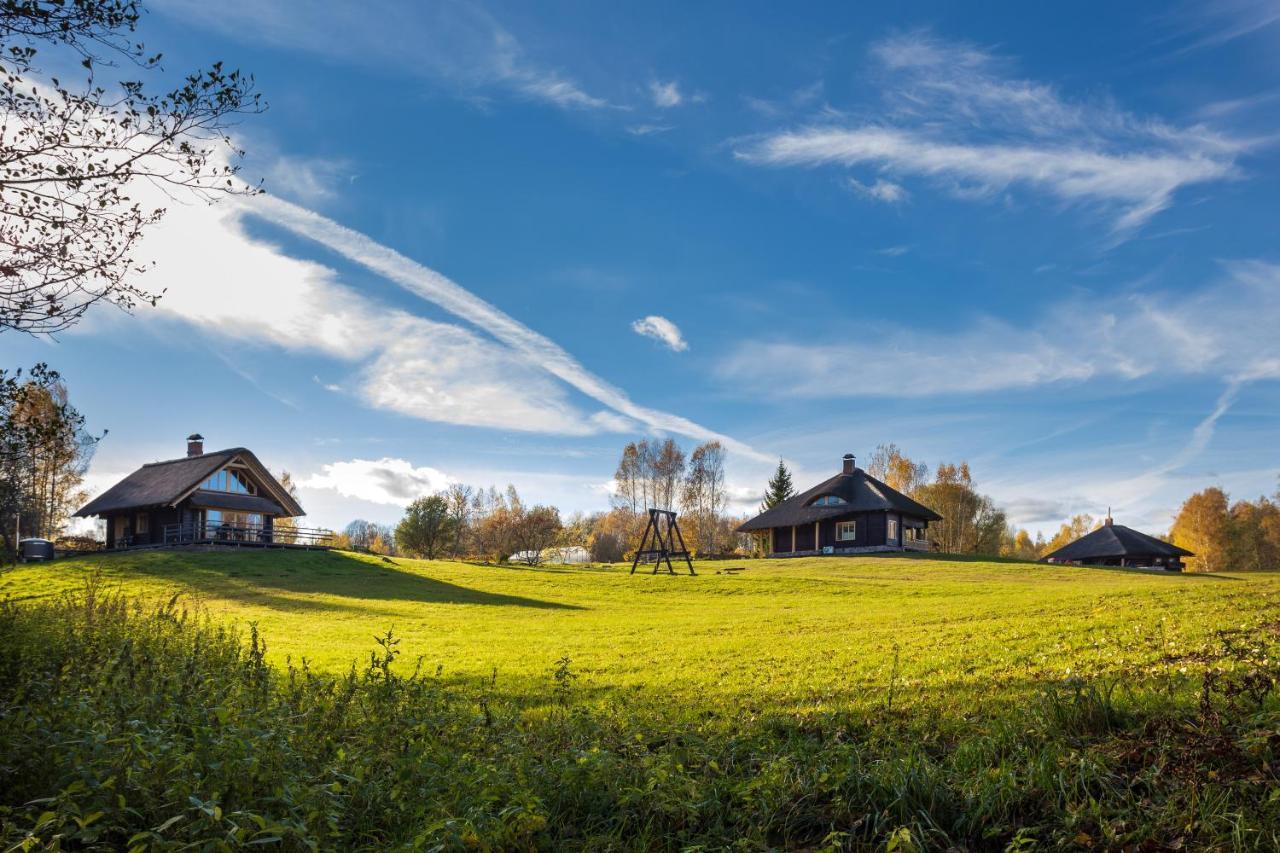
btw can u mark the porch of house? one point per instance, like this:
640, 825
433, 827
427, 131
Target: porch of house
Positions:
233, 535
864, 533
830, 550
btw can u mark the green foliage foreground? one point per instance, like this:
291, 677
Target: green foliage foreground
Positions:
125, 724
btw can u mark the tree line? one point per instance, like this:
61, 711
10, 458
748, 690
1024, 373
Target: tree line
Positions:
467, 522
463, 521
45, 450
1225, 535
971, 522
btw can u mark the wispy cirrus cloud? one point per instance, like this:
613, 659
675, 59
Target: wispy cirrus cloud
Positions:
954, 117
489, 370
666, 94
881, 190
1210, 25
456, 43
310, 180
662, 330
1223, 330
392, 358
648, 129
522, 345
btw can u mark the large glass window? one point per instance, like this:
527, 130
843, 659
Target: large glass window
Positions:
229, 480
893, 530
829, 500
847, 531
226, 524
233, 519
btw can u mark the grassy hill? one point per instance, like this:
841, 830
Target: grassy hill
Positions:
879, 703
793, 634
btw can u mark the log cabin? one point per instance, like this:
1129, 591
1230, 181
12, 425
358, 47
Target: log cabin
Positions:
225, 496
851, 513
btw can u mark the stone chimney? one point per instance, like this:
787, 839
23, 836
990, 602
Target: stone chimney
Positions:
195, 445
849, 466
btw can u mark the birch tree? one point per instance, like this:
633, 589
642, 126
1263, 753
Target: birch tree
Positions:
77, 159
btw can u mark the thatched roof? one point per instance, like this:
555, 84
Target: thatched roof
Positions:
159, 484
861, 493
1116, 540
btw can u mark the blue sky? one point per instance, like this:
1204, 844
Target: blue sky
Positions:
501, 240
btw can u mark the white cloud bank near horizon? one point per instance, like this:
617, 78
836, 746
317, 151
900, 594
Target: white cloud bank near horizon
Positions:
955, 118
387, 480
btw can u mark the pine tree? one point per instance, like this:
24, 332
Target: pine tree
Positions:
780, 487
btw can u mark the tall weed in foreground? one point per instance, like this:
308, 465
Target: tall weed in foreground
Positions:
128, 727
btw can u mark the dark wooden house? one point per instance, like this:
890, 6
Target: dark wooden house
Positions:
1116, 545
851, 513
223, 496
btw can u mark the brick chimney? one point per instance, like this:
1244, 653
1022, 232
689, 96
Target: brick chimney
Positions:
195, 445
1108, 521
849, 466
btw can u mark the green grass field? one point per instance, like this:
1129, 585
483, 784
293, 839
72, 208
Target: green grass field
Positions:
878, 703
797, 634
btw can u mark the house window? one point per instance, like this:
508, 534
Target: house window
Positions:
217, 517
142, 524
224, 524
893, 530
846, 531
228, 480
829, 500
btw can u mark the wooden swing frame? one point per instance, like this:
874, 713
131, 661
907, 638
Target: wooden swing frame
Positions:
662, 547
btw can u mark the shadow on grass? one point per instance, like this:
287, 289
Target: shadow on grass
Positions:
258, 573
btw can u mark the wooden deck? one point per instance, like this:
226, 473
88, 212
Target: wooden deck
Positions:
213, 534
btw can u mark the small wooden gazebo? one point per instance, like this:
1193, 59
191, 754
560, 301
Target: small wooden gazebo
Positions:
1116, 545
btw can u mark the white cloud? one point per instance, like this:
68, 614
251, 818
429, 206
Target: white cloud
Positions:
955, 118
881, 190
213, 269
383, 481
309, 180
457, 44
666, 95
440, 372
804, 98
893, 251
648, 129
661, 329
498, 373
1211, 25
1223, 330
1141, 184
550, 87
529, 346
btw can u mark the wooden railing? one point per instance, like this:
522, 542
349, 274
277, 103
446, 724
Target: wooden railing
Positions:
189, 533
916, 544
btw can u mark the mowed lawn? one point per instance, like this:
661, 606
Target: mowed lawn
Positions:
818, 633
